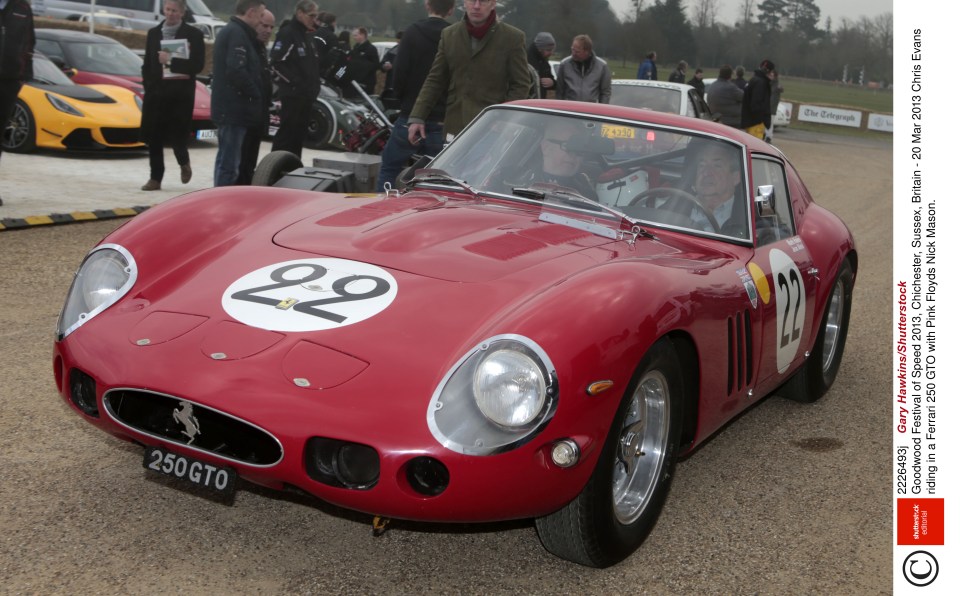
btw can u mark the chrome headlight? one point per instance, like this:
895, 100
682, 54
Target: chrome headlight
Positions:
63, 106
495, 398
107, 273
510, 388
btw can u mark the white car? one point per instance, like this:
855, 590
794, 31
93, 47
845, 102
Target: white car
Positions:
660, 96
107, 19
781, 118
383, 47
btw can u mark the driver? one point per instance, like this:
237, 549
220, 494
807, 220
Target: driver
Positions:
561, 163
717, 187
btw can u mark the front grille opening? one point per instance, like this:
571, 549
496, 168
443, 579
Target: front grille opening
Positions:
83, 392
184, 422
342, 464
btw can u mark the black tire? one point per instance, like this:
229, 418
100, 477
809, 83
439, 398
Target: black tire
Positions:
596, 529
20, 132
320, 127
274, 166
818, 373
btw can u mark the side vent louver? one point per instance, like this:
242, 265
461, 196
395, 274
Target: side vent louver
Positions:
739, 352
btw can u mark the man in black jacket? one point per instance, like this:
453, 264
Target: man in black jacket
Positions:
16, 60
755, 110
415, 54
174, 55
538, 55
237, 94
251, 141
297, 67
364, 64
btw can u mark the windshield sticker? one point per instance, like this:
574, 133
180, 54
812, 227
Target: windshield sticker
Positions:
310, 295
611, 131
748, 285
791, 307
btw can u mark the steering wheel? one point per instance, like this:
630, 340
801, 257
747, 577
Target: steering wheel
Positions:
673, 195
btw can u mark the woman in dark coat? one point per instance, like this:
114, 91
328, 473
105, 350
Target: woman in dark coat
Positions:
174, 56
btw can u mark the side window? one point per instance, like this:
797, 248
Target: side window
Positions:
780, 225
50, 49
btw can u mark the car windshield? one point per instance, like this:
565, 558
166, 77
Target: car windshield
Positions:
47, 72
658, 99
667, 178
107, 58
198, 8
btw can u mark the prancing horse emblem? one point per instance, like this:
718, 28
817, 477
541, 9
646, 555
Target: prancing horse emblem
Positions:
188, 420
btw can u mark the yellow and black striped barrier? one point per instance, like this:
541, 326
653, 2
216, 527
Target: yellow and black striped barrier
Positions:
20, 223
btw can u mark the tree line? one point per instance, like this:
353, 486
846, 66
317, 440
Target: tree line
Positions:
785, 31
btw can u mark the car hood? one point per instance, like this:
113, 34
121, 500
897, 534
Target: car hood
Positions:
425, 234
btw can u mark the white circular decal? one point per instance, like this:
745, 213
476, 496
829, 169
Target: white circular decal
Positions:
791, 306
310, 295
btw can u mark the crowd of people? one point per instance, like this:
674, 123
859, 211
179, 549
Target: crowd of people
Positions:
439, 77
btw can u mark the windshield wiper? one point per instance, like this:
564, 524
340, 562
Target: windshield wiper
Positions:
435, 176
541, 191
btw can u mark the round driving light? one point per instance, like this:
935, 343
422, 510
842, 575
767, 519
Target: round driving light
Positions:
427, 476
510, 388
565, 453
357, 466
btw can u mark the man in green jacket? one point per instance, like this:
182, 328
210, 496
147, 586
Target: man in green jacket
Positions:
480, 62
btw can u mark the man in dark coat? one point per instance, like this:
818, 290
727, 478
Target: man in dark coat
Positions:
251, 141
538, 55
755, 111
237, 94
175, 53
297, 66
325, 38
16, 61
415, 54
364, 63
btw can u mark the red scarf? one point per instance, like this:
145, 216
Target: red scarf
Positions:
478, 31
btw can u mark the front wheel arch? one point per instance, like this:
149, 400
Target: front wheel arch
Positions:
622, 500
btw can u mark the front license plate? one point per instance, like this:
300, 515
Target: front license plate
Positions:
208, 133
219, 479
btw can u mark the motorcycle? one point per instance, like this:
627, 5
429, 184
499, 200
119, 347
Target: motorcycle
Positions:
339, 123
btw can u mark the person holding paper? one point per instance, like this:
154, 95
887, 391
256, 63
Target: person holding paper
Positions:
174, 56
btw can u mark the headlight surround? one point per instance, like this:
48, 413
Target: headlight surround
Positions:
498, 396
105, 276
63, 106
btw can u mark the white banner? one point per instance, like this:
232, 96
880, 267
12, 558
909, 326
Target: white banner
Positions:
825, 115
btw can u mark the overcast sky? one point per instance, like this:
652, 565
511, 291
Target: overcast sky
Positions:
836, 9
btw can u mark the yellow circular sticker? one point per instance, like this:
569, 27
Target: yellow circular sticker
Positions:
761, 280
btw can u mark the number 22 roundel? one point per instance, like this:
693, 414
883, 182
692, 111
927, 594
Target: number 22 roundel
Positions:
310, 295
791, 302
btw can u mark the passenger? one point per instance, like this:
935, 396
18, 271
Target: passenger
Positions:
562, 159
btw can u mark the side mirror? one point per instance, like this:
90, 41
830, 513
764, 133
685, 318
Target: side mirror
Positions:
763, 201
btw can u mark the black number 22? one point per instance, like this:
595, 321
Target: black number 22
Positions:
787, 336
309, 307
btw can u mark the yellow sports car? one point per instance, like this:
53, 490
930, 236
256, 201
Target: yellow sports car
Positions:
53, 112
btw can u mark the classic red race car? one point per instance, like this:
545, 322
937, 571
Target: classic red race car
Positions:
536, 325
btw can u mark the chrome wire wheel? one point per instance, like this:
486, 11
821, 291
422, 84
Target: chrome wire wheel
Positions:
642, 448
834, 324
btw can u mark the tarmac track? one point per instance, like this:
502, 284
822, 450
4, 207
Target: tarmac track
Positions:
787, 499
